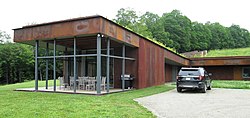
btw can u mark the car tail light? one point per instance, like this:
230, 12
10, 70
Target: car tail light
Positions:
177, 77
201, 77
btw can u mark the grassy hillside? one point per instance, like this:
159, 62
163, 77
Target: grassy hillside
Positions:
229, 52
57, 105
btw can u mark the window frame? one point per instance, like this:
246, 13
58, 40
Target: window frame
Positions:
245, 77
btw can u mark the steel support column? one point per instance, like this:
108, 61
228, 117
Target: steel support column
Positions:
75, 76
123, 66
54, 64
36, 65
98, 73
47, 65
107, 69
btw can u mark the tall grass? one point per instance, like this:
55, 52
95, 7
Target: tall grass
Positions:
229, 52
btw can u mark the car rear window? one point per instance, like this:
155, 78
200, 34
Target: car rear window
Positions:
190, 72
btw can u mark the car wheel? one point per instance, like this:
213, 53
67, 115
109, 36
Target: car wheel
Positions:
209, 88
204, 89
179, 89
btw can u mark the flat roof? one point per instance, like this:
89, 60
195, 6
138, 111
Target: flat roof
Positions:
220, 61
35, 26
220, 58
59, 21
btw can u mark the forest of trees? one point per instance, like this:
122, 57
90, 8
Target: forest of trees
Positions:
177, 31
17, 61
173, 29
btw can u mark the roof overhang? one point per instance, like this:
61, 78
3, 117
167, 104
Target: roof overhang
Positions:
78, 27
220, 61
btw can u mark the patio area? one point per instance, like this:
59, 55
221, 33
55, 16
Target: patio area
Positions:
68, 91
92, 54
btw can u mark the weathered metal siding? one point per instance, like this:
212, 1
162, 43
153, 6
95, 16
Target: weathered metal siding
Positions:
130, 66
220, 61
225, 72
221, 72
113, 30
229, 68
151, 64
176, 58
58, 30
76, 27
168, 73
238, 73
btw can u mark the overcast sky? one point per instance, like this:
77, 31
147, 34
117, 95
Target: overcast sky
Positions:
17, 13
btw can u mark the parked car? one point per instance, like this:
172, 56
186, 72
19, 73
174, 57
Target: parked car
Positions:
193, 78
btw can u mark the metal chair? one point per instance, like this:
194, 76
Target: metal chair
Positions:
62, 83
71, 82
103, 84
90, 83
82, 82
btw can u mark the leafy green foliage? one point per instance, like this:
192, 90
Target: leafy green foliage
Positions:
16, 62
200, 36
176, 30
179, 28
4, 36
129, 19
58, 105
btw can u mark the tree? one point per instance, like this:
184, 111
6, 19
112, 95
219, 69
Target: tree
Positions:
177, 31
155, 26
16, 62
240, 36
200, 37
179, 27
129, 19
220, 36
4, 36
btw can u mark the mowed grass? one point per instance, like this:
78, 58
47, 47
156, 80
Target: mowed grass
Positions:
57, 105
233, 84
229, 52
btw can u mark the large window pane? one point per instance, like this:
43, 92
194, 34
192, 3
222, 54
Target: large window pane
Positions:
246, 72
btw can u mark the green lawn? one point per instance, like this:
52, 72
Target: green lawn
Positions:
40, 104
229, 52
234, 84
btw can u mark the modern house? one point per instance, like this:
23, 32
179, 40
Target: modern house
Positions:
96, 46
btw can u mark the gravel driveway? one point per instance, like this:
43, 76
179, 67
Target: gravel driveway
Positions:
216, 103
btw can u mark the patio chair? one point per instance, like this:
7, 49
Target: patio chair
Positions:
91, 78
71, 82
62, 83
90, 84
82, 82
103, 84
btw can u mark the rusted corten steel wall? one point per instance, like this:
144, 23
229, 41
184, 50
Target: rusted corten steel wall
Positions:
116, 31
225, 72
151, 64
76, 27
168, 73
223, 68
176, 58
59, 29
220, 61
130, 66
